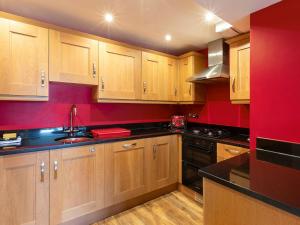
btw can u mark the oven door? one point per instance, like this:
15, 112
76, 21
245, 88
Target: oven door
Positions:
191, 177
199, 152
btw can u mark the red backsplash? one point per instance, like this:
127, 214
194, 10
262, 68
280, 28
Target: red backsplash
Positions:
218, 108
55, 112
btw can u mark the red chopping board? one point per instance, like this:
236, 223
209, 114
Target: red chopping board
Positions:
110, 132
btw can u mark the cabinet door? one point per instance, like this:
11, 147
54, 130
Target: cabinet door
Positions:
240, 71
152, 72
73, 59
23, 60
124, 171
24, 189
186, 70
164, 161
120, 72
76, 182
169, 81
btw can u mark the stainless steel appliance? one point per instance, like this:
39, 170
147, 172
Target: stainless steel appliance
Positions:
218, 64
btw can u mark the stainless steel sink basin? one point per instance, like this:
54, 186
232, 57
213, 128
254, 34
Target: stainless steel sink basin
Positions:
69, 140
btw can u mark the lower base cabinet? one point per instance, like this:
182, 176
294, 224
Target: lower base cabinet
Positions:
62, 186
163, 161
76, 182
24, 189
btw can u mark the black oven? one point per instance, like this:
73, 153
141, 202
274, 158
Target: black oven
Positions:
197, 153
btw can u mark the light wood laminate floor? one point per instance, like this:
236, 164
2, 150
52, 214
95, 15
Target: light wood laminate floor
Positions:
171, 209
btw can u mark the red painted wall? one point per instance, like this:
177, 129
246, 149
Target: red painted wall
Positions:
275, 74
275, 92
55, 112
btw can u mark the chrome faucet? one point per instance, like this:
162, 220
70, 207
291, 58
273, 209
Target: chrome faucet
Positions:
73, 113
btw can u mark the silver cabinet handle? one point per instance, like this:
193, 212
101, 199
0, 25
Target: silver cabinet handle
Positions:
92, 149
128, 146
233, 85
94, 70
154, 151
102, 84
145, 86
43, 78
190, 90
232, 151
175, 92
55, 169
42, 166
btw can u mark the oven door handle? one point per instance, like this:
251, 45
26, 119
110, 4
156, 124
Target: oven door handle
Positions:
201, 148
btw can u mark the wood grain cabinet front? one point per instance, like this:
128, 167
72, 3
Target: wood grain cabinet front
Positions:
240, 69
125, 171
162, 158
24, 189
120, 72
23, 61
73, 58
76, 182
228, 151
189, 65
169, 80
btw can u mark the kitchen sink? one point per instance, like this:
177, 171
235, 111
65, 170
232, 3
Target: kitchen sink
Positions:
69, 140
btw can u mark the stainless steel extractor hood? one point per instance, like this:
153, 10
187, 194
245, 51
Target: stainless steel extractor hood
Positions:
218, 64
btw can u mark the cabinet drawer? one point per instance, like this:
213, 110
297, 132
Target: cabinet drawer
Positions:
128, 145
228, 151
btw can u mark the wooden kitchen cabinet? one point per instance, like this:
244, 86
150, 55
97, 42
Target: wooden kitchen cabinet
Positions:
23, 61
224, 206
228, 151
73, 58
152, 76
119, 72
76, 182
24, 189
169, 81
189, 65
240, 69
125, 170
163, 161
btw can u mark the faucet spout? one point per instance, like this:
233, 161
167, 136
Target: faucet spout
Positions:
73, 114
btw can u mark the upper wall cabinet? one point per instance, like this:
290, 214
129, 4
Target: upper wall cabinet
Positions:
119, 72
169, 84
23, 61
240, 69
152, 76
189, 65
73, 59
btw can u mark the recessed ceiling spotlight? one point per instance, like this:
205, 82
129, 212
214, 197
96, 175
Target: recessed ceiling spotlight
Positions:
209, 16
108, 17
168, 37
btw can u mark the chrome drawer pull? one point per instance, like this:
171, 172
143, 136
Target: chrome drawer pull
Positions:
94, 70
55, 169
128, 146
43, 78
42, 171
234, 152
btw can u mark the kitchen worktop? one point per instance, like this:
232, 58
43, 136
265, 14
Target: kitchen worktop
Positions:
262, 174
44, 139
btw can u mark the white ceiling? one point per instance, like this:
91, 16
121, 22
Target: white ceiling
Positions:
140, 22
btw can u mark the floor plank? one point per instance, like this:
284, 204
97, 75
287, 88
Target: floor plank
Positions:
171, 209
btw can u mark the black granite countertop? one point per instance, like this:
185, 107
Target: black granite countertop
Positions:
44, 139
256, 174
47, 142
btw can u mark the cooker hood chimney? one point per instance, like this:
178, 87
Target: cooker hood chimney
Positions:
218, 64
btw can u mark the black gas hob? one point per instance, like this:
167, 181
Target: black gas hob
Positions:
209, 132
